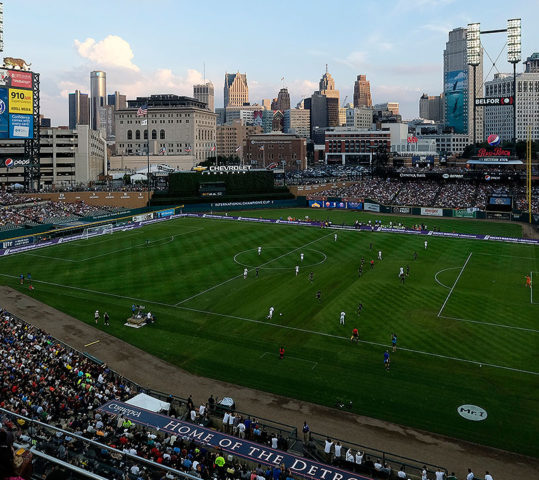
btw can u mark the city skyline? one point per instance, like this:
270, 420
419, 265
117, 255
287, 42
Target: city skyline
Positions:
399, 48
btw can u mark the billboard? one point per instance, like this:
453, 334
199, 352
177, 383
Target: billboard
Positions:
16, 104
4, 116
455, 88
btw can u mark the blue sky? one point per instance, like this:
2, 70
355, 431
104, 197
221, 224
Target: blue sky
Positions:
160, 46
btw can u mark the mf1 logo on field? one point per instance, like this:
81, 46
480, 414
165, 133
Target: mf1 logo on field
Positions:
472, 412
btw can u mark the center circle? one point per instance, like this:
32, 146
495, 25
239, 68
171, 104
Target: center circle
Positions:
266, 265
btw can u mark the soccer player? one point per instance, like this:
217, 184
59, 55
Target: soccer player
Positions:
362, 261
415, 255
359, 308
341, 321
21, 278
281, 352
297, 270
106, 319
257, 270
335, 237
319, 295
401, 271
245, 271
355, 335
259, 250
528, 281
402, 277
372, 264
360, 271
311, 277
386, 360
394, 341
301, 256
426, 244
29, 277
270, 314
96, 316
379, 254
407, 270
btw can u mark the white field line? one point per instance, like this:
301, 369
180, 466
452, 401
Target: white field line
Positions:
138, 245
287, 327
511, 327
444, 270
241, 274
455, 283
315, 364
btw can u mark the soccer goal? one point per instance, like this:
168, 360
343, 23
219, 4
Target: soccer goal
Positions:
95, 231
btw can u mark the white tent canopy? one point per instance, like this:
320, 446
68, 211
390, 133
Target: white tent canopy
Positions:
138, 176
149, 403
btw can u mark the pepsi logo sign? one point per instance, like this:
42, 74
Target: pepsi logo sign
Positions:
9, 162
494, 140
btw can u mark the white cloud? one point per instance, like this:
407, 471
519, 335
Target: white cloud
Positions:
112, 51
442, 28
356, 60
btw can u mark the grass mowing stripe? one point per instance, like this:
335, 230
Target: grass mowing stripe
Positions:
260, 266
287, 327
454, 284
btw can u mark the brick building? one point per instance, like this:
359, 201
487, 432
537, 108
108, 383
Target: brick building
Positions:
285, 150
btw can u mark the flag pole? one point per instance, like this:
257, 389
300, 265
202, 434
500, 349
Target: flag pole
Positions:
148, 135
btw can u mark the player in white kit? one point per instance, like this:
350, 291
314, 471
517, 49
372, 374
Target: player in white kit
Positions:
341, 321
270, 314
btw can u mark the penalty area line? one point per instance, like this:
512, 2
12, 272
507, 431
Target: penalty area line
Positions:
287, 327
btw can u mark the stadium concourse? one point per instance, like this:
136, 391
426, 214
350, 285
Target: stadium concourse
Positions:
41, 378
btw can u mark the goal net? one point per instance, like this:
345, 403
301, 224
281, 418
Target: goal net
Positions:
95, 231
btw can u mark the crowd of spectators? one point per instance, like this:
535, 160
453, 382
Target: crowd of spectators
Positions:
456, 195
427, 193
18, 210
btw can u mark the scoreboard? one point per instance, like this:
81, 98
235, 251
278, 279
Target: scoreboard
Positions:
16, 104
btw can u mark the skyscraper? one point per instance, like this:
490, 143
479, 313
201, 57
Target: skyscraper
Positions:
236, 92
283, 100
79, 109
459, 84
118, 101
98, 93
327, 85
362, 92
205, 93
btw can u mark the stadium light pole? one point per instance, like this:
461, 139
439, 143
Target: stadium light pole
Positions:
473, 54
514, 51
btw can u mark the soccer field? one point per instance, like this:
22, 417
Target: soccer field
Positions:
467, 325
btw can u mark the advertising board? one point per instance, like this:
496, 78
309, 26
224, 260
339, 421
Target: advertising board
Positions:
371, 207
464, 213
4, 116
316, 204
401, 209
432, 212
355, 205
21, 101
21, 126
456, 84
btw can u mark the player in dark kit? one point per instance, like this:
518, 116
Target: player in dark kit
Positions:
386, 360
257, 271
407, 270
372, 264
311, 277
360, 271
281, 353
319, 295
359, 308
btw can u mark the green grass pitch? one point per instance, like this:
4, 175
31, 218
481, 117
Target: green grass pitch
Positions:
467, 326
